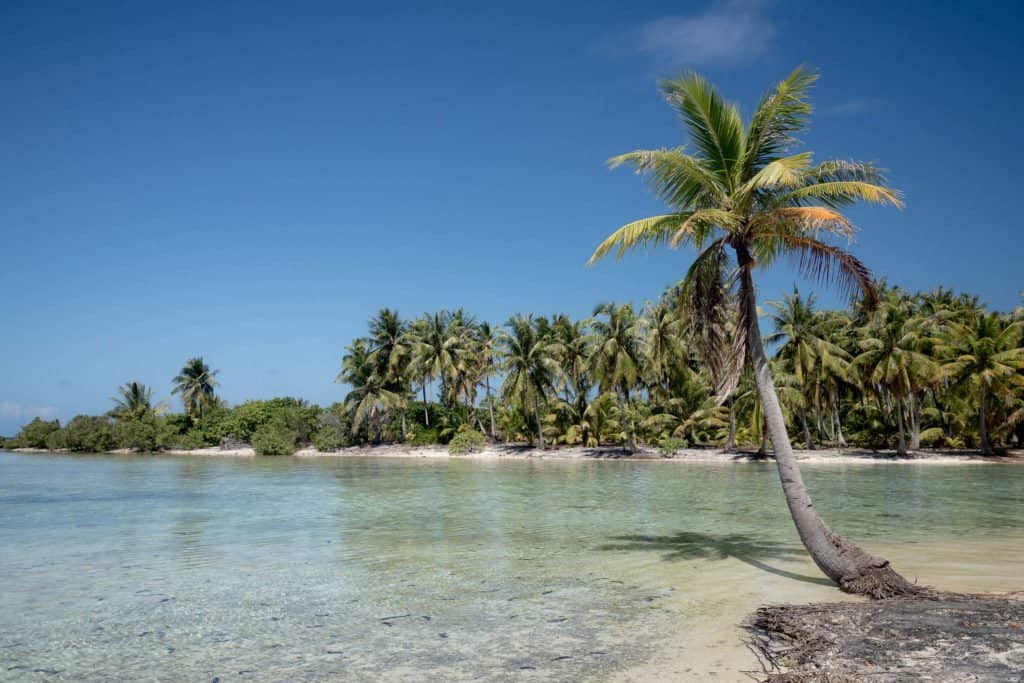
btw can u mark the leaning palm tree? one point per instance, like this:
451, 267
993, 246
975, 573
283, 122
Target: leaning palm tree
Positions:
196, 385
134, 402
743, 199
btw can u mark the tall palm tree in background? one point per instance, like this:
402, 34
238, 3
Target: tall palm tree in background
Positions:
986, 354
435, 347
574, 351
891, 363
465, 368
833, 370
370, 397
134, 402
743, 200
529, 365
797, 339
390, 347
487, 342
196, 384
663, 347
617, 357
390, 356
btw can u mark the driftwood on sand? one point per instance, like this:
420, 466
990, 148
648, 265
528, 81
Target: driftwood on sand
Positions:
946, 637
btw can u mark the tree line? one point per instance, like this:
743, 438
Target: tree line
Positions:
932, 369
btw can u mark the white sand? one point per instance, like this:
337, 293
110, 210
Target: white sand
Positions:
689, 455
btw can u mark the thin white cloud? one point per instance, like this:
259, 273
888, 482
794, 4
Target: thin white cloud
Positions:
16, 411
725, 34
857, 105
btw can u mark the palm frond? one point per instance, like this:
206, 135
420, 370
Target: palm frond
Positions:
842, 193
782, 112
644, 232
679, 179
784, 172
806, 220
844, 169
700, 224
714, 124
828, 264
705, 294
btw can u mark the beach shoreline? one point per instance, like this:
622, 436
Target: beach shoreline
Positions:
497, 452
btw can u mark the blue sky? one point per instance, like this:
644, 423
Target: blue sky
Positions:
251, 181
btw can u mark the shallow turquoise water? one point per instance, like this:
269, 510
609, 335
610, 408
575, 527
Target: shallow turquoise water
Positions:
162, 568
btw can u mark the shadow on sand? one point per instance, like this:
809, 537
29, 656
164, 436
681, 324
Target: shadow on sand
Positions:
689, 545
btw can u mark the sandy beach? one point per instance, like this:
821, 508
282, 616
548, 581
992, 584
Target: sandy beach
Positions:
689, 455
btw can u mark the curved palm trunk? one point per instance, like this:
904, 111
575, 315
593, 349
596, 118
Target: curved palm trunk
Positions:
852, 568
986, 447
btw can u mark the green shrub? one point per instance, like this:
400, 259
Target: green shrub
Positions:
277, 437
670, 445
466, 440
148, 433
244, 420
425, 436
188, 441
212, 426
84, 433
34, 434
57, 440
333, 430
329, 438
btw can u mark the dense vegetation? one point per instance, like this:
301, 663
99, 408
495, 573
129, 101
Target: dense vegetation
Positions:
933, 369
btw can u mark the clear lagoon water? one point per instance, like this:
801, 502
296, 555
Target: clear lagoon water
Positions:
290, 569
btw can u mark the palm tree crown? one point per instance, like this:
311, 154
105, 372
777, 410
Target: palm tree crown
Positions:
134, 402
196, 384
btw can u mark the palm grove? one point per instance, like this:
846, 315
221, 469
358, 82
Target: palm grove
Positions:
894, 370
